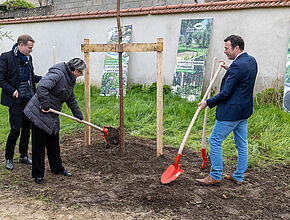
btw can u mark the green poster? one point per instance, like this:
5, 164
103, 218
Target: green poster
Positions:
110, 78
191, 57
286, 98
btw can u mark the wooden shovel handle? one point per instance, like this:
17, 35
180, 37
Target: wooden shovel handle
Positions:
198, 110
74, 118
206, 109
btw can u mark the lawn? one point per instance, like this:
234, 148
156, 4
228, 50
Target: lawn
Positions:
268, 130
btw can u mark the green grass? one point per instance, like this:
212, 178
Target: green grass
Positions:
268, 130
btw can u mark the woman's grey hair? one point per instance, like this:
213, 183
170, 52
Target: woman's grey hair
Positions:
77, 64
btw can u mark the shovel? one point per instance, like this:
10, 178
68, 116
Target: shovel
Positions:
104, 130
205, 120
173, 171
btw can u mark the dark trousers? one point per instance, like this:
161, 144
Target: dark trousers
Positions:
18, 121
40, 141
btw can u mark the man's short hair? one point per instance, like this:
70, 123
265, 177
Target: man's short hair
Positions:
236, 41
24, 38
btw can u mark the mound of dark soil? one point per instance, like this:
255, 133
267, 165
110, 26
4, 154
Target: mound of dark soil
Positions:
106, 178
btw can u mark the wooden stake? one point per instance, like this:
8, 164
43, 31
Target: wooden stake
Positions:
159, 100
87, 96
122, 141
132, 47
54, 55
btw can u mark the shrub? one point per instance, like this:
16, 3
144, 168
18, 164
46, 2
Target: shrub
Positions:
272, 96
5, 34
148, 89
17, 4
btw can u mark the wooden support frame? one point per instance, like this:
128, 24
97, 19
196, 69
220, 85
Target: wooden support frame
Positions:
87, 48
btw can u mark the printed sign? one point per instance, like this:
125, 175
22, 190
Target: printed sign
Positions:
110, 78
191, 57
286, 98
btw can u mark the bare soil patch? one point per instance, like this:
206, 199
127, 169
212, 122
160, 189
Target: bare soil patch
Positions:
112, 182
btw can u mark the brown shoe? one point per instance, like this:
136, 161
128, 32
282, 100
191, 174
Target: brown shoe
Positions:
208, 181
231, 178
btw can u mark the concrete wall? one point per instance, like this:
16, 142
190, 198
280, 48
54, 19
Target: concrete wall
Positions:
265, 32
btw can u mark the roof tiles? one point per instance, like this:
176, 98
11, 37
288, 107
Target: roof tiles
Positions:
154, 10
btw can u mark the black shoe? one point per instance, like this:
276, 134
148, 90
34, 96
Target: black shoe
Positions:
9, 164
25, 160
66, 173
39, 180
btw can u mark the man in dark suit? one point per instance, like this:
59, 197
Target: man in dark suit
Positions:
234, 106
17, 80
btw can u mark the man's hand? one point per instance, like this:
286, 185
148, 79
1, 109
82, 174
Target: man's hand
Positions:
224, 64
202, 104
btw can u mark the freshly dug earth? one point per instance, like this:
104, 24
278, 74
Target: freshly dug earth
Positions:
106, 179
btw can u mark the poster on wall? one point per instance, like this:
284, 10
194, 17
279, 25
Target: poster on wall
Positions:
191, 57
110, 78
286, 98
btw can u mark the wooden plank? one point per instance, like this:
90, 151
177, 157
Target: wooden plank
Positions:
125, 47
159, 100
87, 96
99, 48
54, 55
143, 47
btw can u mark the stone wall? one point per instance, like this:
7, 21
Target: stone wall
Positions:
73, 6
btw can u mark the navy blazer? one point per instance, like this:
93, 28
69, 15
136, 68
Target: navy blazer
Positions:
235, 99
10, 77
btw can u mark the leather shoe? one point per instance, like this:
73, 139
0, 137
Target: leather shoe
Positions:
63, 172
66, 173
39, 180
9, 164
208, 181
231, 178
25, 160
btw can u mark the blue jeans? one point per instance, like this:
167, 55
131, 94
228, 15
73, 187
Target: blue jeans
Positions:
220, 132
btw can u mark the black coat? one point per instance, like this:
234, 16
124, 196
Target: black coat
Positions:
10, 77
54, 89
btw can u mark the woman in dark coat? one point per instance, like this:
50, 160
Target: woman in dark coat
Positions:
55, 88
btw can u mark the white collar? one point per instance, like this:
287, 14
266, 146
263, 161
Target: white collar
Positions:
239, 55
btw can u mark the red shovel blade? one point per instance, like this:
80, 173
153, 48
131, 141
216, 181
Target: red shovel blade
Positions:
105, 131
204, 159
170, 174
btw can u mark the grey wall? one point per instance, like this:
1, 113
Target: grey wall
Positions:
71, 6
264, 30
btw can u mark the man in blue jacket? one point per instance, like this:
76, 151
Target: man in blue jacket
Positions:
234, 106
17, 80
